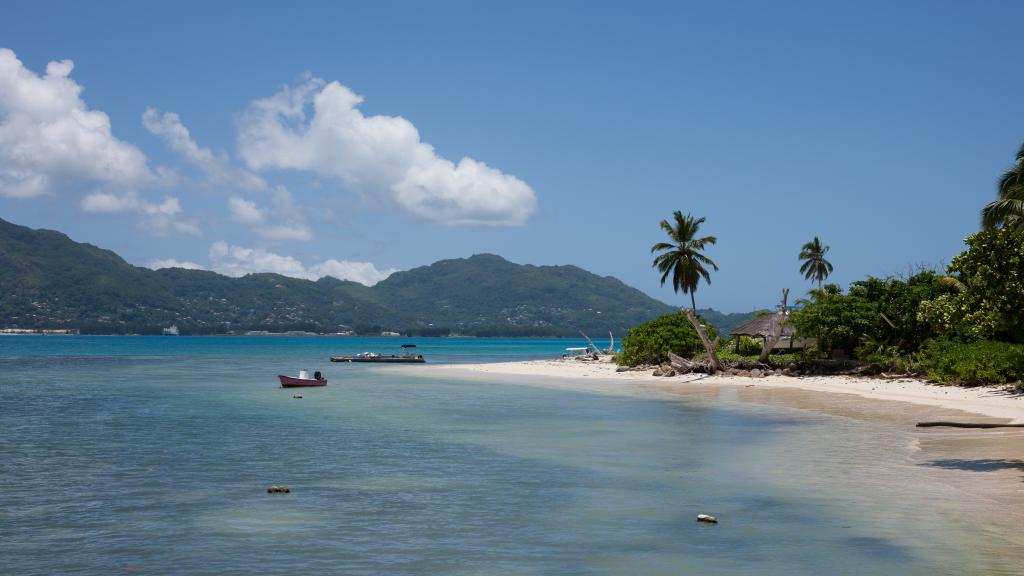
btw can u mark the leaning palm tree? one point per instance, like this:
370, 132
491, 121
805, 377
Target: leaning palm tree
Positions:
682, 258
1008, 210
815, 267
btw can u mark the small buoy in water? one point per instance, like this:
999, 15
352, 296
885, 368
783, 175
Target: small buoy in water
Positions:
707, 518
296, 395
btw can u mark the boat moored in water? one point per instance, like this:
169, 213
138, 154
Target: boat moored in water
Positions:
303, 381
406, 357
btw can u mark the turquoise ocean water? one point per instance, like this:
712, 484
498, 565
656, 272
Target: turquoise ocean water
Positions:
125, 455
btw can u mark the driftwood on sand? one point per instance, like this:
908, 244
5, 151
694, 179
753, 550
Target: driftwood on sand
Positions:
967, 425
685, 366
592, 345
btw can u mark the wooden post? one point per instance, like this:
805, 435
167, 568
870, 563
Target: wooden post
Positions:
709, 346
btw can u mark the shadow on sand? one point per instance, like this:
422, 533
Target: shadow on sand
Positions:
979, 465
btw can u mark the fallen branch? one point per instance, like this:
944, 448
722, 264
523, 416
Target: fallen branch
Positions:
592, 345
681, 364
966, 425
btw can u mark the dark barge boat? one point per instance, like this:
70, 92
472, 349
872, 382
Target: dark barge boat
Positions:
406, 357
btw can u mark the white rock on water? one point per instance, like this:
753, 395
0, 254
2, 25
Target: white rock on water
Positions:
707, 518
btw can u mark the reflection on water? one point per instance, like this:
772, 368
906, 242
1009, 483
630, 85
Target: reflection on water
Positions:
162, 463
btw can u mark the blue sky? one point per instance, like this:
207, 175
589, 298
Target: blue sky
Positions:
881, 127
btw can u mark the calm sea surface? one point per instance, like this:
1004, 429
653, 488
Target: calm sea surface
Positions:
136, 455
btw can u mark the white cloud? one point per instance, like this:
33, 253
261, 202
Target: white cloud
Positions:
282, 220
217, 168
288, 223
239, 261
244, 211
50, 138
158, 219
377, 156
172, 263
362, 272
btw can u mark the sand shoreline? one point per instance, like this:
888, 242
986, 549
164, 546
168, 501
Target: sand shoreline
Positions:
991, 402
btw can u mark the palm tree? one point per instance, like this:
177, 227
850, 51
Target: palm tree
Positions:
815, 267
1008, 209
682, 258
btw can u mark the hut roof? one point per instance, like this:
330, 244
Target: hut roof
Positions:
763, 326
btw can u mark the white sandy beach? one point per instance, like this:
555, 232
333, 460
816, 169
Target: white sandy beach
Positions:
995, 401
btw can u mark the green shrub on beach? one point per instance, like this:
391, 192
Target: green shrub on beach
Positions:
972, 363
773, 359
988, 302
748, 346
650, 342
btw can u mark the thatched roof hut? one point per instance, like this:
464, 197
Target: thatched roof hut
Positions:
764, 327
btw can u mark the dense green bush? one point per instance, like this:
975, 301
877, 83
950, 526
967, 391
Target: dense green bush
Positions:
837, 321
748, 346
982, 362
989, 299
773, 359
876, 313
651, 342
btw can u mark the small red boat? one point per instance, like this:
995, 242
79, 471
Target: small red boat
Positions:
293, 382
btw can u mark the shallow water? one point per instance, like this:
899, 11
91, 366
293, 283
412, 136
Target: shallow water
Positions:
152, 455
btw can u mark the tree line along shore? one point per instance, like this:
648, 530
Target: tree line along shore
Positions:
960, 325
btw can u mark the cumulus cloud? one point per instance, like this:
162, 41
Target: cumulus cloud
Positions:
172, 263
159, 219
239, 261
49, 137
280, 220
284, 221
362, 272
377, 156
216, 167
245, 212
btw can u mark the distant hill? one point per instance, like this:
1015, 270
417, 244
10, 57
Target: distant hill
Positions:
48, 280
722, 321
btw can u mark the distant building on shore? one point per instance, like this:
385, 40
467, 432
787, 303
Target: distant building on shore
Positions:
171, 331
41, 331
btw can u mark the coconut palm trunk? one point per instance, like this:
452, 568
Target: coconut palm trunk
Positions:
683, 260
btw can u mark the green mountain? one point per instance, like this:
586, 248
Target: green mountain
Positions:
49, 281
722, 321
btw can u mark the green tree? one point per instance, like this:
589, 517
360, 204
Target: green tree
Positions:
815, 267
650, 342
988, 298
682, 258
838, 321
1008, 209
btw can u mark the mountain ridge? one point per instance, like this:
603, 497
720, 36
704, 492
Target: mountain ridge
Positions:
47, 280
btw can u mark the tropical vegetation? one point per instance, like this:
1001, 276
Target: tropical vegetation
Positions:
815, 267
650, 342
962, 325
683, 259
1007, 210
